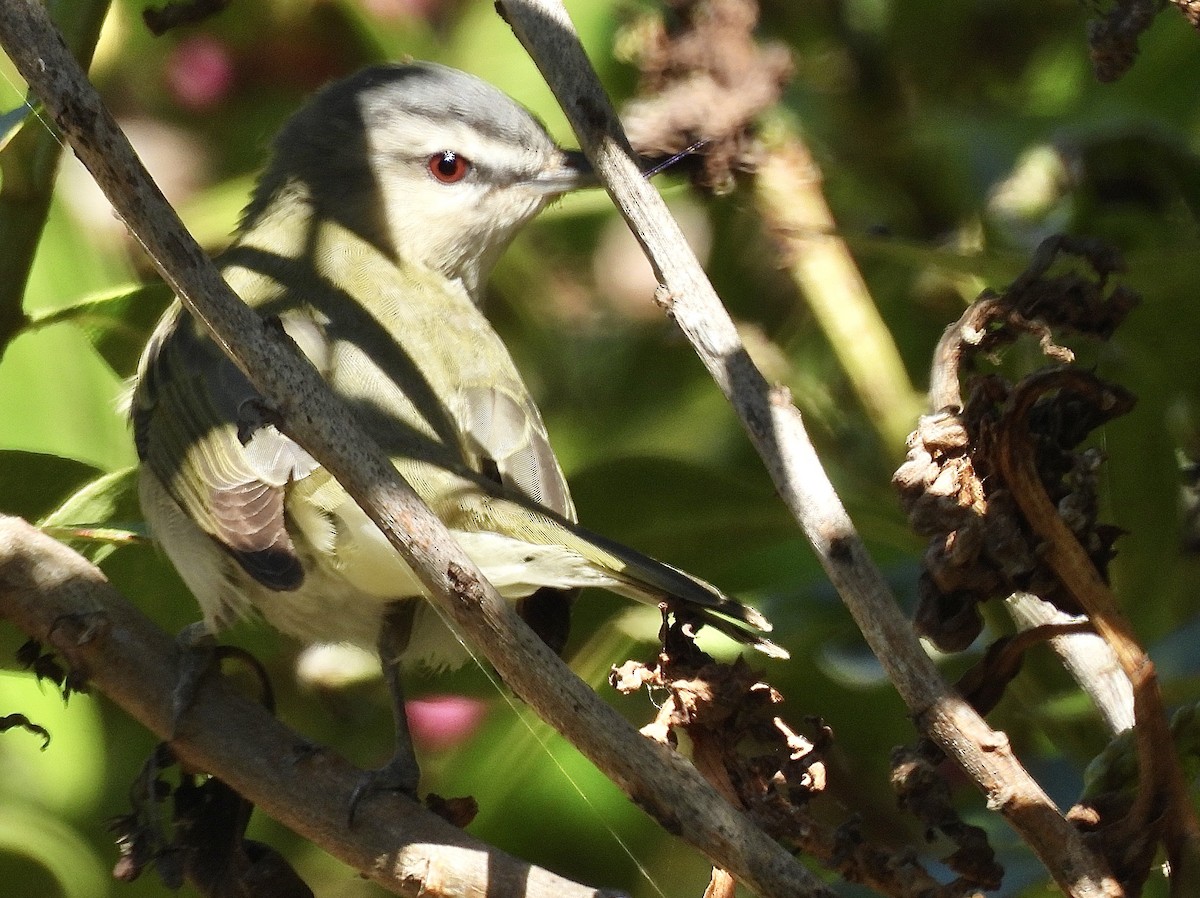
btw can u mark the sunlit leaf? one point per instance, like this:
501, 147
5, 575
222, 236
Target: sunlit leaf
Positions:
114, 536
58, 397
103, 515
102, 500
118, 323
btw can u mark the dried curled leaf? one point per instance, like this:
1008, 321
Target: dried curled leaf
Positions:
206, 844
704, 78
950, 484
729, 714
922, 790
760, 763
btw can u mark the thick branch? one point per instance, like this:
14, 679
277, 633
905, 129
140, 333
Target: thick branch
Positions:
660, 781
775, 427
51, 593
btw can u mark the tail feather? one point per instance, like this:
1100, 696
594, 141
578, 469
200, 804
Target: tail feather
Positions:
744, 637
653, 582
622, 569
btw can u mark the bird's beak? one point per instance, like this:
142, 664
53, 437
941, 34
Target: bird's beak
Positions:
572, 173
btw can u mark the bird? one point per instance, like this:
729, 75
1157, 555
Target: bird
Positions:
368, 238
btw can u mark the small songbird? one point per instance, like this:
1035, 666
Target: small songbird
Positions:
369, 237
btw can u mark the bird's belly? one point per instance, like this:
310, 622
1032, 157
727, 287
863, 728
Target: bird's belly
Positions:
515, 567
328, 607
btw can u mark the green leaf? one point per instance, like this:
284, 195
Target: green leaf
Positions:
102, 515
117, 323
32, 482
105, 500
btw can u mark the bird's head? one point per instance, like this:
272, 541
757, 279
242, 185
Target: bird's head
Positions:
432, 165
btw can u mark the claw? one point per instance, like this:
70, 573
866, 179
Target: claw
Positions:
401, 774
200, 655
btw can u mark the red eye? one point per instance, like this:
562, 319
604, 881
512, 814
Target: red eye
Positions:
448, 167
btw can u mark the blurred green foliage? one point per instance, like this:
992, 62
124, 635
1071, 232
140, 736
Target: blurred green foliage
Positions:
952, 138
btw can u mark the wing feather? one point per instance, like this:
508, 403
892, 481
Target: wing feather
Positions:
194, 415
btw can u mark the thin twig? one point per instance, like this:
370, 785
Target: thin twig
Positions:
661, 782
44, 586
776, 429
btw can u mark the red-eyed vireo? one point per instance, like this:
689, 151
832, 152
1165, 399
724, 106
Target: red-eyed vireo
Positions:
386, 203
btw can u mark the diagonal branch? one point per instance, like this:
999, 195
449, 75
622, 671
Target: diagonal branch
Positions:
778, 433
44, 586
660, 781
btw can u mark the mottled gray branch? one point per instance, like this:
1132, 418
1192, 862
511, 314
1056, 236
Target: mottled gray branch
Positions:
777, 431
1089, 659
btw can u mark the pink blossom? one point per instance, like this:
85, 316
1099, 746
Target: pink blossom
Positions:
442, 721
200, 72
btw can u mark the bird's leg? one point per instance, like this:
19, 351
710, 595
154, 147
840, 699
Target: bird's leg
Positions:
200, 655
197, 659
393, 640
401, 773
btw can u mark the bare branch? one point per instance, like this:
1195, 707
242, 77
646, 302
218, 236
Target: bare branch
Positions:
47, 590
661, 782
775, 427
1089, 659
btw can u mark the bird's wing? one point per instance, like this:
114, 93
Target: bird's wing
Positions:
504, 430
513, 511
202, 429
448, 403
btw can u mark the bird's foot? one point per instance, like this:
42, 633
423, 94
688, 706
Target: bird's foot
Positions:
197, 659
199, 656
66, 631
401, 774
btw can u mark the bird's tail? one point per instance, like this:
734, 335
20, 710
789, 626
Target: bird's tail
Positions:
644, 579
598, 561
